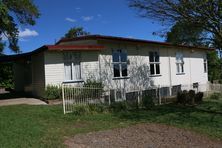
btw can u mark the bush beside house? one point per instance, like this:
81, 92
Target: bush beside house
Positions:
189, 97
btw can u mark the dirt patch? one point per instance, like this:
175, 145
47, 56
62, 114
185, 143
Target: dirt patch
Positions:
142, 136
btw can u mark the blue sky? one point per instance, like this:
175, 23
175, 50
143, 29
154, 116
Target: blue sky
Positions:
105, 17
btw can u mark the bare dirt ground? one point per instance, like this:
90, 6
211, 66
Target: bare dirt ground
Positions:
143, 136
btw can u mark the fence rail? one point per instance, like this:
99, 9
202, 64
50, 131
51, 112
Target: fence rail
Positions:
73, 95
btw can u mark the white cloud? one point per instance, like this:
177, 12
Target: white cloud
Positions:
27, 33
99, 15
70, 20
87, 18
23, 40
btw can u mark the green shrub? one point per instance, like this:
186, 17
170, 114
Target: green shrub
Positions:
182, 97
132, 105
81, 110
118, 106
89, 109
199, 97
189, 97
93, 83
98, 108
147, 102
215, 96
53, 92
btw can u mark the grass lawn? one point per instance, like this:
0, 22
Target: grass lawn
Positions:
46, 126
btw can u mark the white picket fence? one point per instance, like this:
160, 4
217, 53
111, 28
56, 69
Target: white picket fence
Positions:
80, 95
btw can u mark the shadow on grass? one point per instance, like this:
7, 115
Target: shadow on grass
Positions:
14, 95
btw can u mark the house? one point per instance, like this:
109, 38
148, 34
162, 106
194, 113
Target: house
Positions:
119, 63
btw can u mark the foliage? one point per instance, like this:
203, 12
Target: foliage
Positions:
98, 108
214, 64
53, 92
147, 102
76, 32
199, 97
93, 83
80, 110
118, 106
215, 96
186, 33
6, 77
14, 12
189, 97
204, 14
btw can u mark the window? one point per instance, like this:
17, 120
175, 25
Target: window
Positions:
205, 65
72, 66
154, 63
179, 63
119, 63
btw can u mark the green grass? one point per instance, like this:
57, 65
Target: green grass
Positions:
46, 126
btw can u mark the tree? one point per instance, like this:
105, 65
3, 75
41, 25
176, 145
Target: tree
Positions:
187, 34
76, 32
214, 64
6, 77
206, 14
14, 12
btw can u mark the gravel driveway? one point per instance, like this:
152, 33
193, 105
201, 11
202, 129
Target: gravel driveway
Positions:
143, 136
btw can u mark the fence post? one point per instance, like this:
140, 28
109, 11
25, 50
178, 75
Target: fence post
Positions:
138, 97
109, 96
159, 94
63, 99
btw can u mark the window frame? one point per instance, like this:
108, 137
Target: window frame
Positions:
179, 64
155, 63
120, 63
74, 59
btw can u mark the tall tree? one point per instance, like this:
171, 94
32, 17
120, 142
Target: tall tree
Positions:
206, 14
76, 32
14, 13
187, 34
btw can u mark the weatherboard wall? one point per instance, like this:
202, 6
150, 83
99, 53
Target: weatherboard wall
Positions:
98, 66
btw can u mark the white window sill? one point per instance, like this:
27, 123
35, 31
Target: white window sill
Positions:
73, 81
180, 73
159, 75
118, 78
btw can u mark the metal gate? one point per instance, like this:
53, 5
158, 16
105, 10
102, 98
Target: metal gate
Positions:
73, 95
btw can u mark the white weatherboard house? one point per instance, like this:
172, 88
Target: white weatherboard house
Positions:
117, 62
